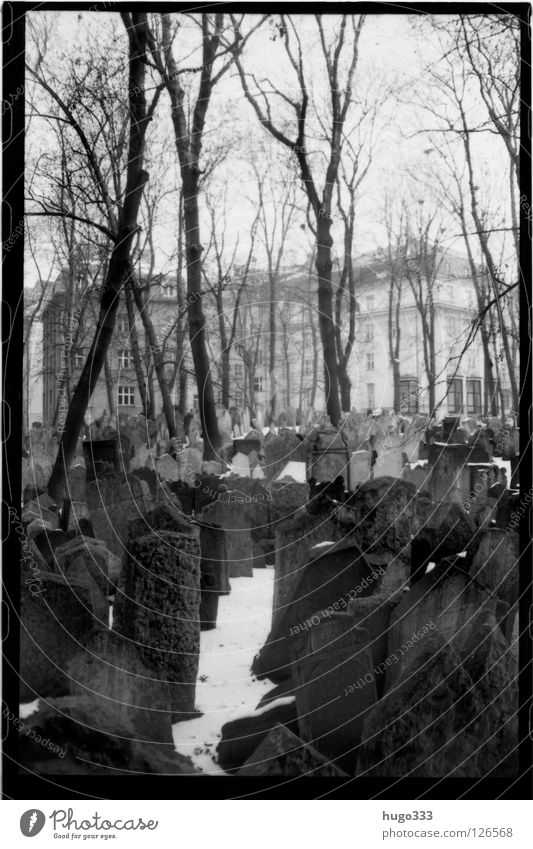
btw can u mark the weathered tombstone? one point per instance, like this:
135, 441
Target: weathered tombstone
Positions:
287, 498
331, 705
85, 740
109, 672
450, 478
283, 754
495, 564
113, 502
279, 450
240, 737
328, 455
430, 724
157, 606
386, 512
36, 510
389, 462
231, 513
294, 539
449, 602
334, 573
360, 467
56, 615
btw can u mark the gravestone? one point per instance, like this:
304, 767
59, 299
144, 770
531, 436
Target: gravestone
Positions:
108, 672
294, 539
283, 754
331, 707
279, 450
232, 514
386, 512
333, 574
240, 737
91, 742
449, 602
157, 606
430, 724
389, 462
360, 467
113, 502
56, 615
287, 498
496, 565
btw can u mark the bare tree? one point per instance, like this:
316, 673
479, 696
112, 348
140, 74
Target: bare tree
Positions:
344, 45
124, 226
188, 135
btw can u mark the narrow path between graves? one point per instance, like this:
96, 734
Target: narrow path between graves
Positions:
225, 688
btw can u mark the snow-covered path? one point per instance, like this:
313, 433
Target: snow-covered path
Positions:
225, 688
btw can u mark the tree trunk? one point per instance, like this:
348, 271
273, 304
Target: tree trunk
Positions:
181, 328
327, 326
206, 399
110, 386
315, 359
137, 359
272, 346
159, 366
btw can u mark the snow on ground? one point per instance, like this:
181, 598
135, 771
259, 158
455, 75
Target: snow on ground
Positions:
225, 688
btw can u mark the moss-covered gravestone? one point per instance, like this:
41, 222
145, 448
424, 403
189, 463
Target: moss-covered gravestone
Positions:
158, 605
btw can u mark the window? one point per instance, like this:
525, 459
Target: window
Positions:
237, 369
195, 405
369, 303
408, 396
369, 333
370, 362
473, 396
126, 358
259, 358
168, 290
371, 401
122, 324
455, 395
126, 396
258, 384
78, 358
451, 325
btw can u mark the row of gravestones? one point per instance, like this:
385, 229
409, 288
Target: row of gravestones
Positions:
377, 673
129, 543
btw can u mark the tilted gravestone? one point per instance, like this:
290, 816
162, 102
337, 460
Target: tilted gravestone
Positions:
283, 754
333, 574
294, 539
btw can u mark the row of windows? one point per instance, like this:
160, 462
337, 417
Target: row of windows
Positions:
125, 359
410, 391
455, 398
